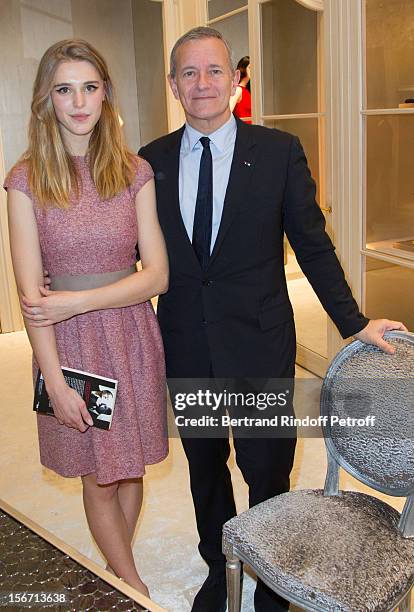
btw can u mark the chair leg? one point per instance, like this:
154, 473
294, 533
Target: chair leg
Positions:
405, 605
233, 584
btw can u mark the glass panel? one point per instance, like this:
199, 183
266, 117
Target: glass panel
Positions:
235, 30
216, 8
389, 291
289, 35
389, 52
307, 131
390, 183
310, 317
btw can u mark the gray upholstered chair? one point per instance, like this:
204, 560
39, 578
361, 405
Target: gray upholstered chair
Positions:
337, 550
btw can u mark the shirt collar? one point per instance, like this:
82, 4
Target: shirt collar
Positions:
221, 138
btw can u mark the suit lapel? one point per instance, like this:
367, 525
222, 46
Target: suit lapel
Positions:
240, 174
242, 167
170, 173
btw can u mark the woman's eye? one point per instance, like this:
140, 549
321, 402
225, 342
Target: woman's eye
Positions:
62, 90
91, 87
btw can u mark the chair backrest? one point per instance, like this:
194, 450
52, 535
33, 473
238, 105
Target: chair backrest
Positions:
367, 405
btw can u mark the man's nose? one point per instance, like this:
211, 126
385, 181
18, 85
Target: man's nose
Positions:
203, 80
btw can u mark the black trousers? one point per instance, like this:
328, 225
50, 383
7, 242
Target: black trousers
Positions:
265, 465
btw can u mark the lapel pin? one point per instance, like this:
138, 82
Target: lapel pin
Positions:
247, 163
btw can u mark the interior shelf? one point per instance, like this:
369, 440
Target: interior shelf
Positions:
402, 247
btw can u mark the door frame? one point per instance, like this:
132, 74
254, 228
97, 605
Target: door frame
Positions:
344, 69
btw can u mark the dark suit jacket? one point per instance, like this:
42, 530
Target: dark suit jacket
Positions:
238, 314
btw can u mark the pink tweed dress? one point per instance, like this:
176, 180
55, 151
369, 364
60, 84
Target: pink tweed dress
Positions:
96, 236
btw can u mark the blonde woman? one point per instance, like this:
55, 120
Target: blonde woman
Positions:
78, 203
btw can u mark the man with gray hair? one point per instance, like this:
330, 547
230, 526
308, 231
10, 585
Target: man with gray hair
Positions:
226, 193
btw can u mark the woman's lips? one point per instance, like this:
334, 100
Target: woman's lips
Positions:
80, 117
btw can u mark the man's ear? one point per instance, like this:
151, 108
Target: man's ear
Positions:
173, 86
236, 79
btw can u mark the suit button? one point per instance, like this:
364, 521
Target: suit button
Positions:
207, 282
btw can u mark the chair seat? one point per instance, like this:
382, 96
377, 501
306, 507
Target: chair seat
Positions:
341, 553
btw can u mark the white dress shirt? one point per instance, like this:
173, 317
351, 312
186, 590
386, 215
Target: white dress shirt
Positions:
222, 149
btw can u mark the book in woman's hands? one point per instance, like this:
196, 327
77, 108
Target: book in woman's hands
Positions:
98, 393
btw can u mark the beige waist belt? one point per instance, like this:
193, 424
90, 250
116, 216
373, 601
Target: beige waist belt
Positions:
66, 282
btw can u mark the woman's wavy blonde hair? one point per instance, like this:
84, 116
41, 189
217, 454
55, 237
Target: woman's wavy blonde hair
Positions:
52, 173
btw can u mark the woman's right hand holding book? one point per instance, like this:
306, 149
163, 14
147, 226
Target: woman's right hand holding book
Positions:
69, 408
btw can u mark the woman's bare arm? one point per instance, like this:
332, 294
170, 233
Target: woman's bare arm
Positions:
27, 263
236, 98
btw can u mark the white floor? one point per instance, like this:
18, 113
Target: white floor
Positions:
166, 542
310, 318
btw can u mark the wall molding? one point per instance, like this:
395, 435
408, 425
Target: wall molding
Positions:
343, 27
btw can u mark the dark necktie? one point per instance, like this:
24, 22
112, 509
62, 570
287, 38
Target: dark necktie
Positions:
203, 216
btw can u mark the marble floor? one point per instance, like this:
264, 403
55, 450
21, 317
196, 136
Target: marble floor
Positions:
166, 542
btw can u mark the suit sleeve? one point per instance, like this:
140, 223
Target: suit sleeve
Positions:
144, 153
304, 225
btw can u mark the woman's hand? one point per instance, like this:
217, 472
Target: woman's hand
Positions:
53, 307
46, 279
69, 408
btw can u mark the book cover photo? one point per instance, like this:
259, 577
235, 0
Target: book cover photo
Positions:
98, 393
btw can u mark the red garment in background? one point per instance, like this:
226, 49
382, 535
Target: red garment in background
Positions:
244, 107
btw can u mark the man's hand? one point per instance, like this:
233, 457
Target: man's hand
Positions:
373, 333
53, 307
